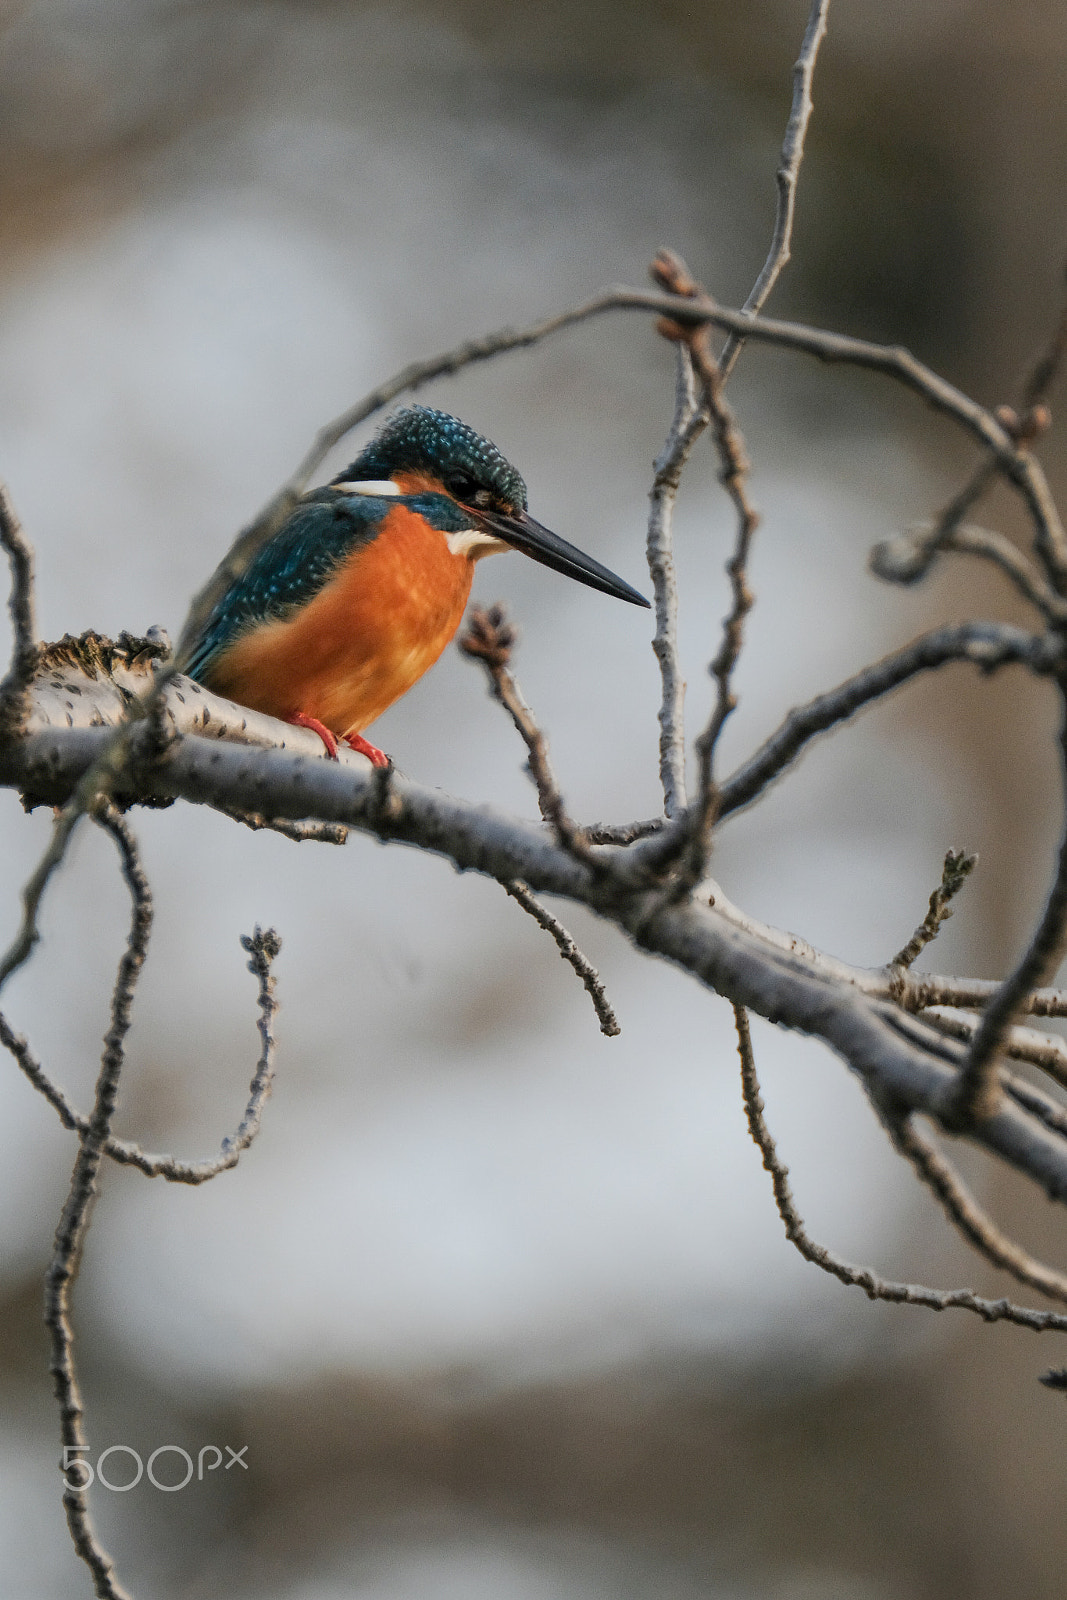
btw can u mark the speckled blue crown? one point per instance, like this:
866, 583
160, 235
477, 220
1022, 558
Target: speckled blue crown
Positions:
420, 437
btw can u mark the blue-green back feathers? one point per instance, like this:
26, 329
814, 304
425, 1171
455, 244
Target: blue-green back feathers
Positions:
290, 570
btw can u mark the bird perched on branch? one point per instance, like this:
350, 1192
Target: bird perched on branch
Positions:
362, 587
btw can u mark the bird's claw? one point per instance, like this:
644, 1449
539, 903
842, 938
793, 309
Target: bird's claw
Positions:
300, 719
363, 747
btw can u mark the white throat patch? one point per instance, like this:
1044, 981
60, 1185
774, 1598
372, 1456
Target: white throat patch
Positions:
473, 543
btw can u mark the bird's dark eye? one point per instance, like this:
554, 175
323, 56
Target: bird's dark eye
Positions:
461, 486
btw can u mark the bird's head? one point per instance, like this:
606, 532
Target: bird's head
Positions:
421, 451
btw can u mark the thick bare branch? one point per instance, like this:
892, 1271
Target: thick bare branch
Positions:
918, 990
1051, 1112
921, 993
1021, 1044
91, 681
570, 952
298, 832
913, 1064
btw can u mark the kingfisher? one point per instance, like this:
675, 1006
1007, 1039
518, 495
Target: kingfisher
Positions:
359, 591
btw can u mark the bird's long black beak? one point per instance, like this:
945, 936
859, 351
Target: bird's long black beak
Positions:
521, 531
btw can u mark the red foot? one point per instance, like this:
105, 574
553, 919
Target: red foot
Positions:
363, 747
300, 719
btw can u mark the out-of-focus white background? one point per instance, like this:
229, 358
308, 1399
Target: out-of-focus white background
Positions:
502, 1307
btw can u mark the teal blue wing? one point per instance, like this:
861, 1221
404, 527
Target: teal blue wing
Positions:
289, 571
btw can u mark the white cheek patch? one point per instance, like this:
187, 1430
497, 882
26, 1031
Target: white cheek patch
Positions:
473, 543
378, 487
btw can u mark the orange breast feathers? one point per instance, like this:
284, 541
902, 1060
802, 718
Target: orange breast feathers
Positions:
376, 627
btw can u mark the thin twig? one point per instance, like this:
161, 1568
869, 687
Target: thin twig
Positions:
910, 558
1040, 1050
964, 1211
671, 271
861, 1277
786, 178
686, 426
1045, 369
490, 638
987, 645
33, 891
299, 832
569, 951
14, 690
733, 475
918, 990
689, 421
954, 874
989, 545
74, 1220
263, 948
976, 1092
623, 832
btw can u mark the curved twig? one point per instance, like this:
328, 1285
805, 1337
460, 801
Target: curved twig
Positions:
986, 645
570, 952
74, 1220
262, 947
875, 1288
964, 1211
490, 639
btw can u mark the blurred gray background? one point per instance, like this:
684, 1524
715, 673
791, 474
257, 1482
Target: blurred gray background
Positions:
501, 1308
